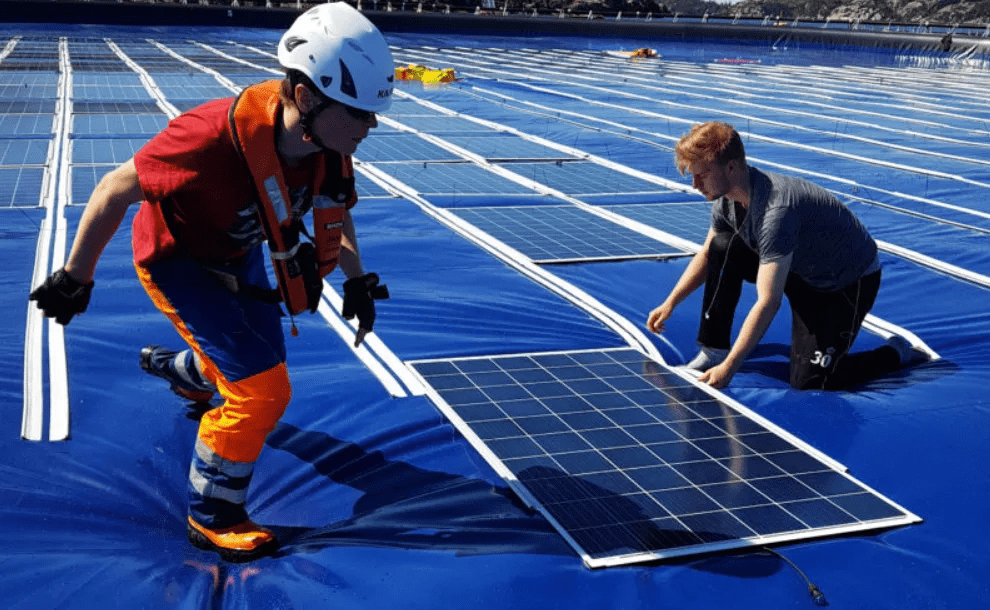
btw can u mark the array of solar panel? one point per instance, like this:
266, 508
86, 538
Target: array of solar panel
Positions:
562, 233
502, 146
94, 56
28, 86
688, 221
403, 147
631, 462
153, 59
579, 177
454, 178
32, 54
366, 188
254, 54
440, 124
209, 59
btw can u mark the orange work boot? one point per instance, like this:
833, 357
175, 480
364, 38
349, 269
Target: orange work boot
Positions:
243, 542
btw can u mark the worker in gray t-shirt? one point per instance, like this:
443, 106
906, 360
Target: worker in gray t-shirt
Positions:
789, 237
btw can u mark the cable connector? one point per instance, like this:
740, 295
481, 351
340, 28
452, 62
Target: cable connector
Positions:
817, 595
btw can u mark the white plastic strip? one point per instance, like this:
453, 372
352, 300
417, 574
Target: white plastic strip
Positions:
339, 325
33, 412
58, 373
49, 256
371, 342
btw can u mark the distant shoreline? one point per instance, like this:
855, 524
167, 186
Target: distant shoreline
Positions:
175, 14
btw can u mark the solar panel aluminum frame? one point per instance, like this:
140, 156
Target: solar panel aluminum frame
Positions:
520, 489
611, 259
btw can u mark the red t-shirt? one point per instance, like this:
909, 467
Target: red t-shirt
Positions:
199, 197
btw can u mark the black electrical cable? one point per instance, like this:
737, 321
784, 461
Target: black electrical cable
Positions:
813, 590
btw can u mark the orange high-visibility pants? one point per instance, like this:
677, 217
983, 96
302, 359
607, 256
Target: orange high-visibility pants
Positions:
241, 346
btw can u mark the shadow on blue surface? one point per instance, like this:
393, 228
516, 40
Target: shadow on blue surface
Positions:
407, 507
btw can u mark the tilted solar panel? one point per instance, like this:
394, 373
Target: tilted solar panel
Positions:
632, 462
563, 233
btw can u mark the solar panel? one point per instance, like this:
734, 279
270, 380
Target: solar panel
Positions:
688, 221
119, 125
23, 151
366, 188
631, 462
498, 146
438, 124
84, 179
104, 93
451, 178
562, 233
20, 187
578, 177
402, 147
105, 150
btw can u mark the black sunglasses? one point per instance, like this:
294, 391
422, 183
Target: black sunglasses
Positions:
357, 113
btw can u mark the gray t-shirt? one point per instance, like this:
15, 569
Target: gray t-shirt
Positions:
831, 247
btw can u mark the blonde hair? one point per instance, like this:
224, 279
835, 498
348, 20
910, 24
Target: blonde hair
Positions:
713, 142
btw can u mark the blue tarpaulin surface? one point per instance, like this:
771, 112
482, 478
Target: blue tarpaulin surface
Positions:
379, 501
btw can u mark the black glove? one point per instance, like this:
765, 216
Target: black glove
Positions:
359, 299
62, 297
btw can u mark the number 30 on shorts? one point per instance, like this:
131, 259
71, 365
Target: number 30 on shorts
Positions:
823, 359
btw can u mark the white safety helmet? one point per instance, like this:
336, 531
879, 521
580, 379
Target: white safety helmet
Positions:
344, 55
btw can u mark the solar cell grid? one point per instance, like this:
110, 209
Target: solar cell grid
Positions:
452, 178
26, 107
23, 152
688, 221
18, 65
107, 80
632, 462
84, 179
108, 93
367, 188
104, 150
20, 187
578, 177
118, 125
28, 91
145, 107
402, 147
26, 125
440, 124
562, 233
498, 146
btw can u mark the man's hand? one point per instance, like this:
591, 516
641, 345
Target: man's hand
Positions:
719, 375
657, 318
61, 296
360, 294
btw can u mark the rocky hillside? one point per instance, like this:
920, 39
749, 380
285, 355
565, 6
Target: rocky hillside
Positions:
948, 12
972, 12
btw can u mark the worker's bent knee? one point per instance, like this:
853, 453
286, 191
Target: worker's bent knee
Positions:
237, 429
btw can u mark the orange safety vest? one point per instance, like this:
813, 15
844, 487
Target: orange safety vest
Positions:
252, 118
